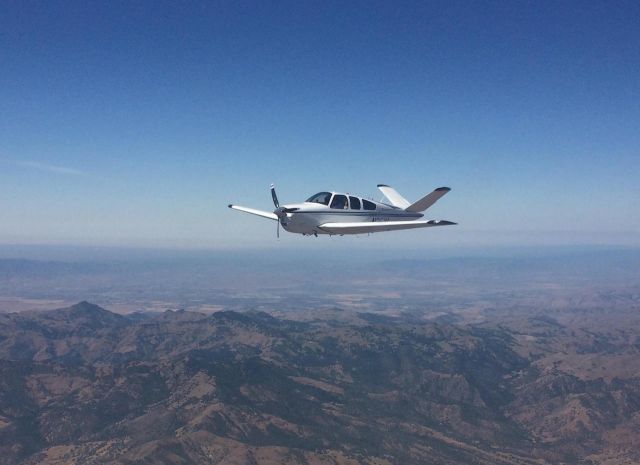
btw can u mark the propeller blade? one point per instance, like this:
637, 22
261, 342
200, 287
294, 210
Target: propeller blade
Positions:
274, 196
280, 212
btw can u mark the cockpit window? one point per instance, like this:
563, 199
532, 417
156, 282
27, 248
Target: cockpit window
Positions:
340, 202
321, 197
368, 205
355, 203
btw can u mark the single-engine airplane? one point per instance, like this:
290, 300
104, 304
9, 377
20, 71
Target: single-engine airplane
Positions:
338, 213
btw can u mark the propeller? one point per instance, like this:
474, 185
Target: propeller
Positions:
274, 197
281, 212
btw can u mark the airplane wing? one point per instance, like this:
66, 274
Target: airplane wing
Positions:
396, 199
253, 211
378, 226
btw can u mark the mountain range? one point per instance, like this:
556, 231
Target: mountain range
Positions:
83, 385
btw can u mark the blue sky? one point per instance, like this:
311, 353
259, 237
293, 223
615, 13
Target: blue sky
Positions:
136, 123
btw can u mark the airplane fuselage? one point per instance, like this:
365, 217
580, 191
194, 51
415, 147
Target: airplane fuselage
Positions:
309, 216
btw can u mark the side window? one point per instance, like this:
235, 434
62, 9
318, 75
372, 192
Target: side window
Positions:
368, 205
339, 202
355, 203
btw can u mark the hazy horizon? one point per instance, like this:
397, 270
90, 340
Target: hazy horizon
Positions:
285, 280
341, 249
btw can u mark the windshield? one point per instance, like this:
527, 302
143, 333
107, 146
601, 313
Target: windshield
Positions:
321, 197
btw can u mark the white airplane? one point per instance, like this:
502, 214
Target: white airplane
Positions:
337, 213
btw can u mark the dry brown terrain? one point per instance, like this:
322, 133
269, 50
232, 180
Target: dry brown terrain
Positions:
83, 385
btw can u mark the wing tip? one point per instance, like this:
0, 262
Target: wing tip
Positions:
441, 223
439, 189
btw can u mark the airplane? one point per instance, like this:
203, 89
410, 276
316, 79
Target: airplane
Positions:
337, 213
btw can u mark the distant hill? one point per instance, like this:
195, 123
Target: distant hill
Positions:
83, 385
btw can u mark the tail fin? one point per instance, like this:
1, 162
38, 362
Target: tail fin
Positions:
396, 199
428, 200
